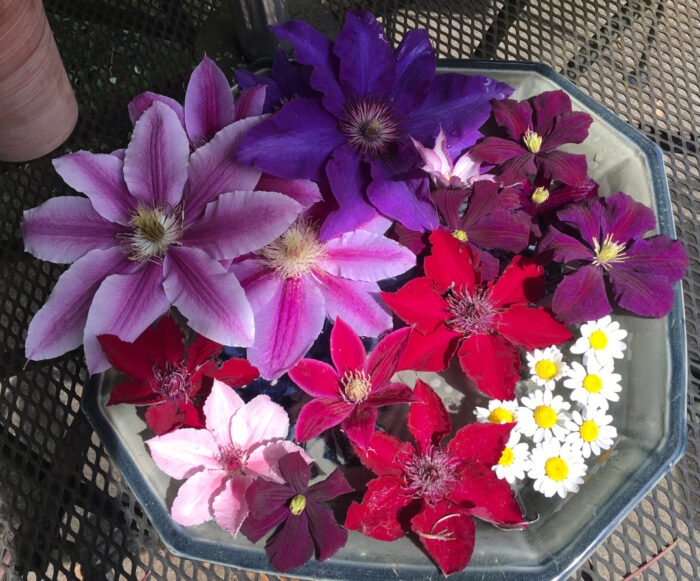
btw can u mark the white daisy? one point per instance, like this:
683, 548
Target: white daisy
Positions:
546, 366
498, 412
593, 385
543, 416
556, 468
591, 431
515, 459
601, 340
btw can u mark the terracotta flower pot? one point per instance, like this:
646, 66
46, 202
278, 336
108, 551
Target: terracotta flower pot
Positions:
38, 110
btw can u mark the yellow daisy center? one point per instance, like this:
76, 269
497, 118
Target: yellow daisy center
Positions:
588, 431
609, 252
460, 235
546, 369
545, 416
540, 195
592, 383
500, 415
598, 340
532, 141
298, 504
556, 468
506, 457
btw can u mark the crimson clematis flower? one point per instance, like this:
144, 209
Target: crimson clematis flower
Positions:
442, 487
352, 391
450, 309
168, 379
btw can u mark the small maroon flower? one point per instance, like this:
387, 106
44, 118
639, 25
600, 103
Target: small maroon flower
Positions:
167, 380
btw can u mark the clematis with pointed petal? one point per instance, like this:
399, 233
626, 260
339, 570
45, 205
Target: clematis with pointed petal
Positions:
351, 393
374, 100
303, 522
440, 488
171, 380
296, 281
150, 234
453, 312
241, 443
536, 128
601, 241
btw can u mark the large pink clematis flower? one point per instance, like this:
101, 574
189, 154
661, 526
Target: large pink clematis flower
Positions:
150, 234
241, 442
297, 280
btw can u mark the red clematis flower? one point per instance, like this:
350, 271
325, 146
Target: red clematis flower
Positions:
167, 381
442, 487
451, 309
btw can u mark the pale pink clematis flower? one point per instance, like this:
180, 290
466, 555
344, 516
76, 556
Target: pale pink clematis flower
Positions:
443, 171
241, 442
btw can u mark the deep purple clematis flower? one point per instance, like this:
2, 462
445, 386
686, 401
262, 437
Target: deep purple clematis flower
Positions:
358, 134
150, 234
351, 393
535, 129
296, 506
296, 281
601, 238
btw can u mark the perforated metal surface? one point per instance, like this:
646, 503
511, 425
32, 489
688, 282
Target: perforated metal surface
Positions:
64, 511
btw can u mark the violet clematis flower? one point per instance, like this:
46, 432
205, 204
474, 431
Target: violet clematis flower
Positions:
150, 234
533, 139
601, 239
296, 506
241, 442
297, 280
358, 133
351, 393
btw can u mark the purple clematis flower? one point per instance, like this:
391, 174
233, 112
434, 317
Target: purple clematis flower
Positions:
535, 129
296, 506
358, 134
150, 234
297, 280
603, 240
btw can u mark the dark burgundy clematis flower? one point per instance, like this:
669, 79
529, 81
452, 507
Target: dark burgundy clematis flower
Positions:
351, 393
442, 487
601, 239
536, 128
450, 308
168, 380
305, 522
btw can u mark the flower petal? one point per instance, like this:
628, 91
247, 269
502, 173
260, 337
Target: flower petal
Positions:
382, 453
625, 219
451, 263
522, 281
155, 163
264, 496
250, 103
259, 421
570, 127
377, 516
166, 416
193, 503
581, 296
259, 281
305, 192
347, 351
391, 393
417, 303
359, 425
316, 378
211, 298
481, 443
406, 199
137, 392
318, 415
532, 328
208, 102
332, 487
492, 497
384, 359
502, 230
415, 69
498, 150
264, 460
432, 351
515, 117
570, 168
428, 420
230, 506
101, 178
649, 295
184, 452
561, 247
548, 106
296, 472
234, 372
492, 363
327, 534
140, 103
255, 528
291, 546
220, 407
64, 229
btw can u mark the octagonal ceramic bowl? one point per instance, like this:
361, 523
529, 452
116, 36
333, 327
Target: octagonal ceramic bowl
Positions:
650, 416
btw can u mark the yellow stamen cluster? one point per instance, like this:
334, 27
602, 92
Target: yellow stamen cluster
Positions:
298, 504
609, 252
532, 141
295, 252
152, 231
460, 235
540, 195
356, 385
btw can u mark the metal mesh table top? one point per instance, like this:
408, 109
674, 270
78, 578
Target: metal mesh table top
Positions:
65, 511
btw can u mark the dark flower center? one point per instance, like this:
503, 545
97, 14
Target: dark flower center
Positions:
172, 381
232, 458
370, 126
430, 476
471, 313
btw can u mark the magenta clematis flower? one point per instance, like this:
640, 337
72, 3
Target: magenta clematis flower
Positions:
150, 234
241, 442
350, 394
601, 239
297, 280
296, 506
534, 138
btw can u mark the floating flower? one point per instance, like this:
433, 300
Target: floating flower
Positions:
593, 385
438, 488
591, 431
241, 442
498, 412
515, 460
543, 416
546, 366
295, 507
601, 340
556, 468
601, 239
166, 380
150, 235
294, 282
351, 393
450, 309
536, 128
